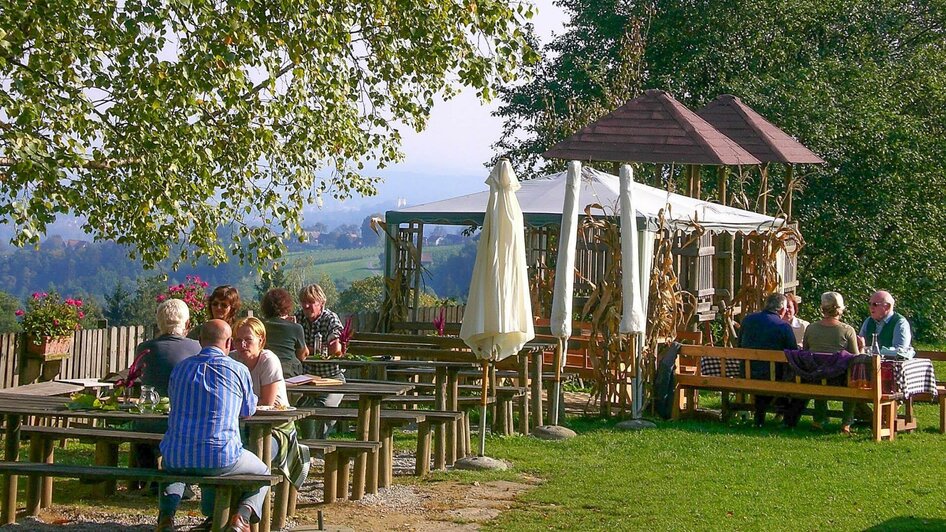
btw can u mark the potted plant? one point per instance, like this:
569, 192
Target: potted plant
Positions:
49, 323
191, 292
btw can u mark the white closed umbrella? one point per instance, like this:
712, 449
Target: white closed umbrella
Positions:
633, 319
561, 319
497, 320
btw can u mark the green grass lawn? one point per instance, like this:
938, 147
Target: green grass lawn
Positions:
347, 265
697, 475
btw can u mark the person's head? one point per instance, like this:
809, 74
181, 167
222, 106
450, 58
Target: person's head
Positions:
791, 307
172, 316
312, 299
832, 305
249, 337
276, 303
881, 305
776, 303
216, 333
224, 303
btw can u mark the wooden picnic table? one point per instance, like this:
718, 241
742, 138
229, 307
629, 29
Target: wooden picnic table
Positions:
45, 389
14, 406
369, 423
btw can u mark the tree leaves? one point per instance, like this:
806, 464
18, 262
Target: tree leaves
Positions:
159, 121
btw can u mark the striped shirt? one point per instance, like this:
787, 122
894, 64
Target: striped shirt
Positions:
209, 394
326, 327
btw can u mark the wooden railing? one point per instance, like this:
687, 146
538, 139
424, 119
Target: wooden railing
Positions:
95, 353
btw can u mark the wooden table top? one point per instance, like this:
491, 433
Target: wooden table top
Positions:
356, 388
353, 362
56, 406
45, 389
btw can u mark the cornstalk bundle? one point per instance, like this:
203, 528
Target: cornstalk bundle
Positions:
760, 276
394, 307
612, 364
668, 309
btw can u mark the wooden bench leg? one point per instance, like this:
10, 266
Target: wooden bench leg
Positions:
106, 454
510, 419
293, 498
440, 455
47, 489
385, 458
388, 471
942, 413
677, 398
892, 417
422, 465
222, 497
280, 505
34, 483
331, 477
450, 445
878, 416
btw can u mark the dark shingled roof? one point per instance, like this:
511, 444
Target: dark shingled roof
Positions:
653, 128
757, 135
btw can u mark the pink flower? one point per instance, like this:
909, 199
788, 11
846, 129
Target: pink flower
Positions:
161, 297
55, 323
77, 302
35, 295
70, 301
81, 314
44, 294
19, 312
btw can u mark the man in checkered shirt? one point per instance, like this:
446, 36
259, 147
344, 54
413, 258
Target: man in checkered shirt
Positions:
322, 328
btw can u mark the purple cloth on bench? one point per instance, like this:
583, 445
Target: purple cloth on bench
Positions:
814, 367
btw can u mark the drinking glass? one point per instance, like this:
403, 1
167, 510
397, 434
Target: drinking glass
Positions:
149, 399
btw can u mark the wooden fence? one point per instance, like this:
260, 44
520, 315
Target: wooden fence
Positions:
95, 353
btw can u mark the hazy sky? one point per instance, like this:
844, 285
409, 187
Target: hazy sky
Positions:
447, 158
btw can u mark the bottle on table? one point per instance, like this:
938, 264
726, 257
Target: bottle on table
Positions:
875, 347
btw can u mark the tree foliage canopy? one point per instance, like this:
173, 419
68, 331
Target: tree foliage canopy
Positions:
159, 121
859, 82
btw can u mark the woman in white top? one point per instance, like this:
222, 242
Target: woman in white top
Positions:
798, 325
249, 336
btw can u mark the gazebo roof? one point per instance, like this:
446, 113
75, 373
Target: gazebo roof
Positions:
757, 135
652, 128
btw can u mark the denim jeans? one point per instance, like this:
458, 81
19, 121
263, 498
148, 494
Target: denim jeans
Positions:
246, 464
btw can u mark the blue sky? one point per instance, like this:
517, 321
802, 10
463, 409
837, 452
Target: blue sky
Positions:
446, 159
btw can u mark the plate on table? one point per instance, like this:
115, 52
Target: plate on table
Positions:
267, 409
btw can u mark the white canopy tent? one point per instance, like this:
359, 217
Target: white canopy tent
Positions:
542, 198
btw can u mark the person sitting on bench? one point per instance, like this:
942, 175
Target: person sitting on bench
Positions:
766, 330
209, 394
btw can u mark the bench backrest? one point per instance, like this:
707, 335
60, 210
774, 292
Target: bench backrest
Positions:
742, 382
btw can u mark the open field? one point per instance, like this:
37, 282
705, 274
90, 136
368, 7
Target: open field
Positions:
346, 265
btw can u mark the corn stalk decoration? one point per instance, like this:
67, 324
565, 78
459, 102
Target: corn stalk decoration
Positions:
394, 308
612, 364
760, 276
669, 307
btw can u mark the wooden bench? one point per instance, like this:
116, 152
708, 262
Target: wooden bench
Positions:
226, 486
106, 449
936, 356
338, 456
885, 405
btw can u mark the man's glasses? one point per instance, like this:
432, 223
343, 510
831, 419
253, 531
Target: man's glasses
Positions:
878, 304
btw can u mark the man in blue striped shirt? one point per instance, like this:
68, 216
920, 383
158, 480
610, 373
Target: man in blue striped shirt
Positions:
209, 394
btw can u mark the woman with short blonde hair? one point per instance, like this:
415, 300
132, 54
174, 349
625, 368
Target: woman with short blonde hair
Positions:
830, 335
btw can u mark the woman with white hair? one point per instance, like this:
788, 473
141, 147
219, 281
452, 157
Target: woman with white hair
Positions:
830, 335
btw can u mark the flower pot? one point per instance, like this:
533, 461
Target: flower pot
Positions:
50, 347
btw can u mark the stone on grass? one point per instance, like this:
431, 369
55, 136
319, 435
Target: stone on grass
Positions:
553, 432
635, 424
480, 463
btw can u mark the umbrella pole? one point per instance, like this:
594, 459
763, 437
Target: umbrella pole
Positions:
484, 398
557, 383
638, 385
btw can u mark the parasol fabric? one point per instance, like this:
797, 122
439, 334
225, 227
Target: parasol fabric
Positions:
633, 319
497, 320
561, 319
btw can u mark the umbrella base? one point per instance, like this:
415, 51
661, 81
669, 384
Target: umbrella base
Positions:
553, 432
480, 463
635, 424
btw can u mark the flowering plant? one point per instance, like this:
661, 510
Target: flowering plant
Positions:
48, 315
345, 336
440, 322
191, 291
